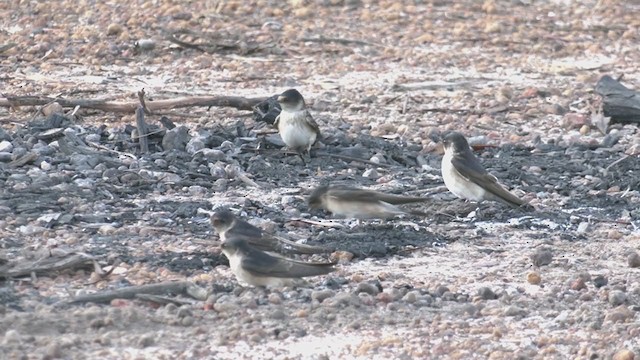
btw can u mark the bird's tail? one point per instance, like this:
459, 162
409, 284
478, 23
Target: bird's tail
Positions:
294, 247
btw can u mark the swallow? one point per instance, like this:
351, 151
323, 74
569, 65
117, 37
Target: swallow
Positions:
295, 124
465, 177
228, 225
357, 203
258, 268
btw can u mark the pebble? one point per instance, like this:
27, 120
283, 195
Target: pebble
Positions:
470, 309
582, 227
633, 260
224, 307
45, 166
184, 311
53, 350
366, 299
11, 337
514, 310
52, 108
585, 129
619, 314
146, 45
368, 288
6, 146
534, 278
278, 314
176, 139
342, 257
411, 297
617, 297
441, 290
343, 300
384, 297
188, 321
542, 257
600, 281
114, 29
370, 174
321, 295
194, 145
577, 284
145, 341
276, 298
487, 294
624, 354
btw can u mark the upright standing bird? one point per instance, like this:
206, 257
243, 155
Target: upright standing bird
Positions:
297, 128
257, 268
465, 177
228, 225
357, 203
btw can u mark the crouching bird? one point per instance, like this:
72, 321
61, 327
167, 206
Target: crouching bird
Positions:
258, 268
357, 203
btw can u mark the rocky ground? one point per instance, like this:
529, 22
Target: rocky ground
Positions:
381, 78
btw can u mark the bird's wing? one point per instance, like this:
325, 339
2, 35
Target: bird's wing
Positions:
287, 245
252, 235
275, 123
343, 193
312, 123
355, 194
261, 264
266, 242
471, 169
398, 199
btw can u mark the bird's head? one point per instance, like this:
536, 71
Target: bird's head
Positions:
315, 200
291, 100
454, 141
222, 220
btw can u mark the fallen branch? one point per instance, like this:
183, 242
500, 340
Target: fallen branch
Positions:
46, 266
142, 127
617, 162
174, 287
162, 300
238, 102
324, 39
350, 158
328, 223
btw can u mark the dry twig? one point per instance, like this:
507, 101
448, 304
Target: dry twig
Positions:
174, 287
237, 102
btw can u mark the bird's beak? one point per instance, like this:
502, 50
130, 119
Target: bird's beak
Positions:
282, 99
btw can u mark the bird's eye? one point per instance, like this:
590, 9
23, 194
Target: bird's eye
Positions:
224, 245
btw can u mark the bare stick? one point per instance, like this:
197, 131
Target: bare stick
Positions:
45, 266
350, 158
142, 129
23, 160
176, 287
616, 162
141, 94
324, 39
330, 224
237, 102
